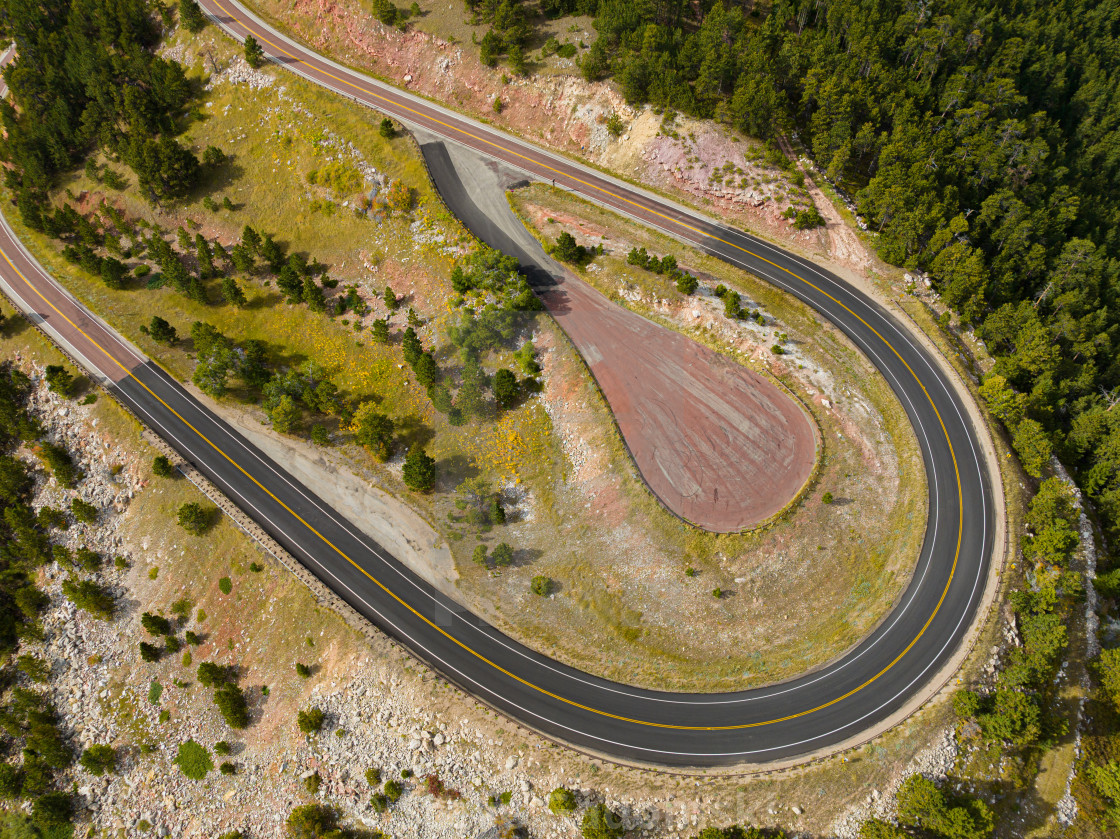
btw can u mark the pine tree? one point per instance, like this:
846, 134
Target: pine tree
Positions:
254, 55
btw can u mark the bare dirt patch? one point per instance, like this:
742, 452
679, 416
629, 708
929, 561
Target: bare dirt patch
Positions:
718, 444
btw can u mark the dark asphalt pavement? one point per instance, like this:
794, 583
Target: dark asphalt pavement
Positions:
797, 717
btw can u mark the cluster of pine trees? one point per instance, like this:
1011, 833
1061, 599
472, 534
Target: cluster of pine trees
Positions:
87, 78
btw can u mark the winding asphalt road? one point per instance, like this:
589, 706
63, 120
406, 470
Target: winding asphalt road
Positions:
794, 718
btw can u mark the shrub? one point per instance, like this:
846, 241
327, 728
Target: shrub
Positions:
502, 554
302, 670
231, 703
155, 624
89, 597
52, 809
600, 822
311, 783
11, 781
88, 560
562, 800
808, 219
223, 748
50, 518
310, 721
386, 129
225, 585
193, 638
541, 585
34, 668
506, 389
150, 652
194, 518
99, 759
254, 55
966, 703
59, 379
60, 464
227, 768
373, 776
827, 498
162, 468
393, 790
213, 675
161, 331
379, 802
83, 511
193, 760
419, 471
437, 789
311, 821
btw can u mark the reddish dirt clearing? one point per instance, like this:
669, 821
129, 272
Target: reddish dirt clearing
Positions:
719, 445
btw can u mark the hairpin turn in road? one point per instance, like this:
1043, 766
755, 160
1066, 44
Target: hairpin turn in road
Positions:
819, 710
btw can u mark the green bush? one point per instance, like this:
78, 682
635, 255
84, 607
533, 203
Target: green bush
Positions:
59, 379
213, 675
61, 464
419, 470
52, 810
373, 776
310, 721
541, 585
11, 781
193, 760
600, 822
312, 821
162, 468
303, 671
89, 597
99, 759
231, 703
225, 585
34, 668
155, 624
393, 790
83, 511
194, 518
88, 560
966, 704
502, 554
562, 800
150, 652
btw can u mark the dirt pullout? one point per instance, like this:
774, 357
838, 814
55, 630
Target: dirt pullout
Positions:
720, 445
391, 523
